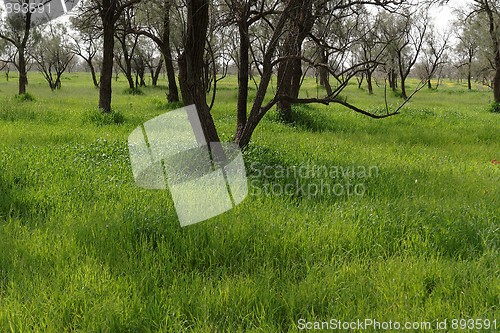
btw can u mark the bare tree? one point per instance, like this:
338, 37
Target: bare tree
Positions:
8, 55
53, 54
371, 46
298, 25
245, 14
16, 29
263, 29
109, 12
488, 12
127, 41
147, 57
468, 46
143, 57
434, 55
341, 70
86, 42
17, 26
157, 16
407, 32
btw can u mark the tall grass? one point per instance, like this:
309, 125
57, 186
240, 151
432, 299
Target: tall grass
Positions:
82, 249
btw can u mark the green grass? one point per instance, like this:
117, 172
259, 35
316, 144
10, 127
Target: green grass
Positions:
83, 249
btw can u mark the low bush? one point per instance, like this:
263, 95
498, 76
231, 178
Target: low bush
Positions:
99, 118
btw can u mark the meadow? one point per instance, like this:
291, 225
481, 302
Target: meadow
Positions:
83, 249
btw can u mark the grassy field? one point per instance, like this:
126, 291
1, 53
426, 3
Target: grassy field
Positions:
403, 227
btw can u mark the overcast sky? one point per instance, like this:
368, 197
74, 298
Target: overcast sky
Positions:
444, 14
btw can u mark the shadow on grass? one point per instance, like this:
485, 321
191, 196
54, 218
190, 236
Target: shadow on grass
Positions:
10, 205
10, 113
16, 203
308, 118
5, 198
279, 233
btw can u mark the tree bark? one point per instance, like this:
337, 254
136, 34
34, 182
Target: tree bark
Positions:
93, 73
285, 71
496, 48
243, 78
404, 95
469, 76
191, 66
300, 23
173, 93
402, 75
155, 74
323, 73
258, 111
496, 85
23, 72
393, 79
105, 89
109, 11
369, 81
128, 53
130, 78
23, 76
360, 80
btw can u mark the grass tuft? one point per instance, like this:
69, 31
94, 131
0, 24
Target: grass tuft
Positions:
26, 97
99, 118
494, 107
134, 91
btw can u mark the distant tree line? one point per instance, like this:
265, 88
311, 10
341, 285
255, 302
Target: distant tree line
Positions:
272, 44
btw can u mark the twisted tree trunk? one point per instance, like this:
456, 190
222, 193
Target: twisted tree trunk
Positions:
191, 66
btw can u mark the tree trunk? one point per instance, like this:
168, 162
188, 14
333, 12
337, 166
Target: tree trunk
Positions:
156, 73
23, 76
58, 83
107, 64
393, 79
369, 82
127, 59
324, 80
300, 23
243, 77
256, 114
469, 76
258, 110
191, 66
173, 93
128, 73
360, 81
403, 75
246, 135
403, 87
496, 85
496, 47
142, 72
92, 71
285, 72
